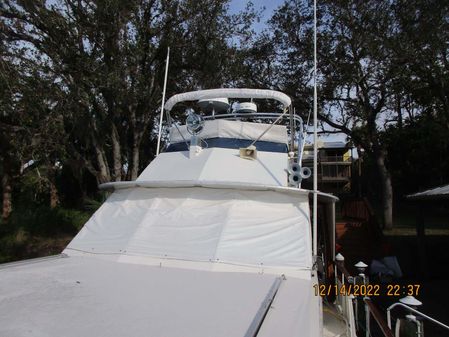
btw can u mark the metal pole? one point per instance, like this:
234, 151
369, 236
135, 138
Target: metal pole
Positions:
163, 102
315, 137
367, 322
292, 132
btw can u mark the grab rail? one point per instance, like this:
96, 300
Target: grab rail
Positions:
398, 304
261, 115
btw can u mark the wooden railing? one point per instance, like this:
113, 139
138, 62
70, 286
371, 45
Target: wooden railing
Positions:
335, 158
373, 311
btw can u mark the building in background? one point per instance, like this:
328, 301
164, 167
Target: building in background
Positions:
335, 165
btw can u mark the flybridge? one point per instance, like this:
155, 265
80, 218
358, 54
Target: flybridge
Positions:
220, 123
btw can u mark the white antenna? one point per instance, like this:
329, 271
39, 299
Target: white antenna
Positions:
162, 104
315, 138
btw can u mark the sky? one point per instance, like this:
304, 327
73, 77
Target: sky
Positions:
270, 7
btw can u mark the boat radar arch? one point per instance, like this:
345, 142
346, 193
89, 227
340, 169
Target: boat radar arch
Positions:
228, 93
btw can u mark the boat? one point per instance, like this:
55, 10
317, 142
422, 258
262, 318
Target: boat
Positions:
214, 238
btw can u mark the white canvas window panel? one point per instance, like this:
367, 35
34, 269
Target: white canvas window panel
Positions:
233, 129
202, 224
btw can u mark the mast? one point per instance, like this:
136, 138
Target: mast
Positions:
315, 137
163, 101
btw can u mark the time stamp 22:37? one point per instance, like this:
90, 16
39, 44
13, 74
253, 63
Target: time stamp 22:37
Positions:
367, 289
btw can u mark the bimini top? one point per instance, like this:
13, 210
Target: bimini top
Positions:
228, 93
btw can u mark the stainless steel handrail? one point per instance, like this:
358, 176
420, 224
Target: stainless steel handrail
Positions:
398, 304
262, 115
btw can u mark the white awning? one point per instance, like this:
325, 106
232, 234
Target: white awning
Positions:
228, 93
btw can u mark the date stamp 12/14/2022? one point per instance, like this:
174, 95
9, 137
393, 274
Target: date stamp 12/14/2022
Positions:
367, 289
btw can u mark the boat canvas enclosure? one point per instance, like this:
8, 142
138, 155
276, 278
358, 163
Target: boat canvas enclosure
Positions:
202, 224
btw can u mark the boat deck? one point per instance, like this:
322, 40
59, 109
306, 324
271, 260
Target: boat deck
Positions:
83, 296
334, 324
86, 296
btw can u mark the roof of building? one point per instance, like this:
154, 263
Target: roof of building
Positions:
329, 145
440, 192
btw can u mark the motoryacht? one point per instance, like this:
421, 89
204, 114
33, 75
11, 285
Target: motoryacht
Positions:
214, 238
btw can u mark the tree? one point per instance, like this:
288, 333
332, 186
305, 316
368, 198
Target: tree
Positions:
87, 76
356, 71
418, 154
422, 50
108, 60
29, 131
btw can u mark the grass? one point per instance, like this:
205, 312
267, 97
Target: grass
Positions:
434, 215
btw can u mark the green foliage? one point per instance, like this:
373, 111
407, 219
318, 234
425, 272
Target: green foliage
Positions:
418, 154
38, 231
105, 64
48, 222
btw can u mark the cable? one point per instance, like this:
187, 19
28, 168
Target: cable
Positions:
269, 128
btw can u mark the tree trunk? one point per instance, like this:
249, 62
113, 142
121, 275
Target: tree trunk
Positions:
104, 174
7, 196
387, 189
135, 159
399, 111
116, 154
54, 196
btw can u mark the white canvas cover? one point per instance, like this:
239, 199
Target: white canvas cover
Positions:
219, 165
233, 129
202, 224
295, 311
228, 93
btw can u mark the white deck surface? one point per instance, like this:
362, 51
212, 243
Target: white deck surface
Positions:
82, 296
